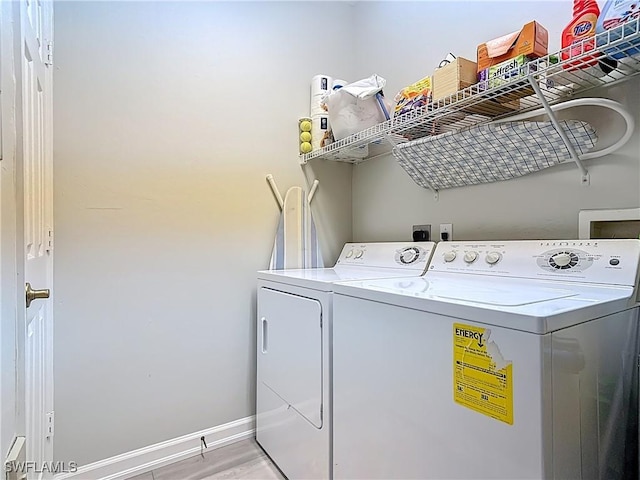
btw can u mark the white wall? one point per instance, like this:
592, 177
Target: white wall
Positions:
168, 116
404, 42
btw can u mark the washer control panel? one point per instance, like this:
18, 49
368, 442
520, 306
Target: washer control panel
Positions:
565, 259
411, 256
595, 261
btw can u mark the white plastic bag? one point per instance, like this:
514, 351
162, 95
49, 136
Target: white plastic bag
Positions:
357, 106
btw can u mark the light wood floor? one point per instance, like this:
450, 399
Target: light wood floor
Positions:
241, 460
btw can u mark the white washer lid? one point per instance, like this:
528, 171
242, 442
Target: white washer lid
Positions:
536, 306
323, 278
492, 293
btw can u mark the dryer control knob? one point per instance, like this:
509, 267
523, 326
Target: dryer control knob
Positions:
562, 259
359, 253
493, 258
450, 256
349, 254
470, 257
409, 255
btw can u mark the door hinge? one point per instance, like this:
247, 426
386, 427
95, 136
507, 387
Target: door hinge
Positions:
50, 241
50, 426
48, 54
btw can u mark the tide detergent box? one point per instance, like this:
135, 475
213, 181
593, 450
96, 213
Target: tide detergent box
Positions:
531, 40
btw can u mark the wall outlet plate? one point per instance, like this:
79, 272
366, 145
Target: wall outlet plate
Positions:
447, 230
421, 233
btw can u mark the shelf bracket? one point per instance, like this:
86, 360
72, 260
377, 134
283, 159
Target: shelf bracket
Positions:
554, 120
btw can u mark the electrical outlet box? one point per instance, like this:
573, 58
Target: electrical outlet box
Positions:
446, 232
421, 233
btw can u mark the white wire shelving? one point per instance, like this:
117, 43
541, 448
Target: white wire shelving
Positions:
539, 84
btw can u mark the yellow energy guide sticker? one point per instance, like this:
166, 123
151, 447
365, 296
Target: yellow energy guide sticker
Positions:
482, 378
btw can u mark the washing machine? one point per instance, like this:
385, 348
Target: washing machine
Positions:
515, 359
294, 317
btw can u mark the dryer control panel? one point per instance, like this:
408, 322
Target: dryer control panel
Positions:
410, 256
614, 262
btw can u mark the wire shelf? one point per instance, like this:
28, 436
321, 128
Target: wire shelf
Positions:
608, 58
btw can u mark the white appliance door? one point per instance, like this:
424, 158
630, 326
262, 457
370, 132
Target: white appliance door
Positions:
291, 350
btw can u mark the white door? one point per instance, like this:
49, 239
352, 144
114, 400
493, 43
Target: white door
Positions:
36, 144
290, 358
8, 264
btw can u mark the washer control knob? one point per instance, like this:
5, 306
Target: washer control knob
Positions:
449, 256
359, 254
349, 254
493, 257
562, 259
470, 256
409, 255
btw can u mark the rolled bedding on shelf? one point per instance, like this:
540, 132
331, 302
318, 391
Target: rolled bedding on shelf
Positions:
491, 152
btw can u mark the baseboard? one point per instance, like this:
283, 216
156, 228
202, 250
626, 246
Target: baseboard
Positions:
155, 456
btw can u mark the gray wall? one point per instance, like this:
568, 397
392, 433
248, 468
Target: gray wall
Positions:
168, 116
386, 202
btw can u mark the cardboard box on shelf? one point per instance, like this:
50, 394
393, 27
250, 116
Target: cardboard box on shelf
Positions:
457, 75
507, 74
532, 40
504, 72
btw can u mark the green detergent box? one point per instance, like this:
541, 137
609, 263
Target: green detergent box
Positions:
504, 72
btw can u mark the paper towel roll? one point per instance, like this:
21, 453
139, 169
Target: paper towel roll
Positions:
317, 110
321, 84
316, 102
319, 127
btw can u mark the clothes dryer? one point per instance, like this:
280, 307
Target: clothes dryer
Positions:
505, 360
294, 322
